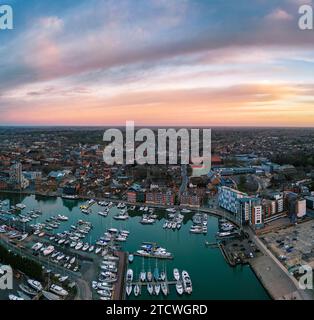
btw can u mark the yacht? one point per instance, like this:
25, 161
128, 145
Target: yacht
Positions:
48, 250
35, 284
187, 283
58, 290
150, 288
62, 218
179, 288
129, 289
129, 275
176, 274
103, 213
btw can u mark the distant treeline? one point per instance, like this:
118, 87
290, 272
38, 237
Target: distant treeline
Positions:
298, 160
23, 264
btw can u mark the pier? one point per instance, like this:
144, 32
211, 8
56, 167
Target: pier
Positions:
118, 292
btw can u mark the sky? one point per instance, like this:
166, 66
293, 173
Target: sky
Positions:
157, 62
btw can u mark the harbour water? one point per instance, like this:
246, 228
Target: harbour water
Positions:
211, 276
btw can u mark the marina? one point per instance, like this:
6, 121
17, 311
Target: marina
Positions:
210, 273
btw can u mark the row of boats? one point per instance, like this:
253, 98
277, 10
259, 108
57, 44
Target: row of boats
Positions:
107, 278
199, 223
156, 283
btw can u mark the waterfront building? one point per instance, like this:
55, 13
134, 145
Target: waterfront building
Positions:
190, 199
16, 174
17, 178
257, 217
159, 197
239, 203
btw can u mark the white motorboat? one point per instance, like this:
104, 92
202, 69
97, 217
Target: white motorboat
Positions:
58, 290
62, 218
129, 275
85, 247
35, 285
79, 246
37, 246
176, 274
131, 258
91, 249
48, 250
187, 283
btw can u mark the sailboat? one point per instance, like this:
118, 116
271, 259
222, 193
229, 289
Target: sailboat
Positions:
164, 288
129, 289
157, 289
150, 288
137, 290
